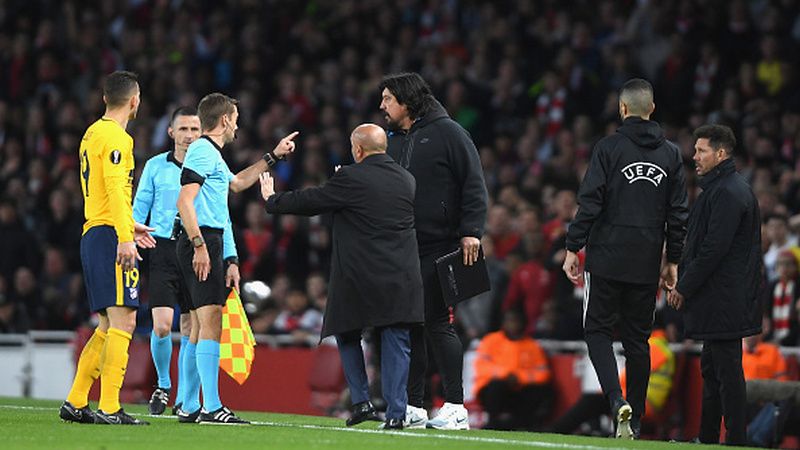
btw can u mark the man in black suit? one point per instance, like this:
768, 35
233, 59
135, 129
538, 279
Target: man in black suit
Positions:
375, 276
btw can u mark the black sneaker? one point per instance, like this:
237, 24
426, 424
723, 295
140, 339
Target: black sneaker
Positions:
118, 418
222, 416
69, 413
187, 417
176, 407
158, 401
392, 424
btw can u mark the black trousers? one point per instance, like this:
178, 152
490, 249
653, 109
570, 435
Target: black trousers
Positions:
724, 392
527, 405
439, 333
628, 308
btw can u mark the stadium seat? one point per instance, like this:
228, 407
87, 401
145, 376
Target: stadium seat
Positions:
326, 378
667, 423
792, 368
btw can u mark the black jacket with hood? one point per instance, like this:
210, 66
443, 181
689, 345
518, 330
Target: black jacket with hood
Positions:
451, 198
632, 196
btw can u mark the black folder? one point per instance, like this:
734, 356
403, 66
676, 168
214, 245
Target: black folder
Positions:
460, 282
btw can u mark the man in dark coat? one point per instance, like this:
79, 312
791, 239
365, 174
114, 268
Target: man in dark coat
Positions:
720, 281
632, 199
449, 212
375, 277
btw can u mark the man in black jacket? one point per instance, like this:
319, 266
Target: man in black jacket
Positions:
632, 196
720, 281
449, 212
375, 278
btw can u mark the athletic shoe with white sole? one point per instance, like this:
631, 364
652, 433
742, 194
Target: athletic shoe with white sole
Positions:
222, 416
415, 417
118, 418
452, 416
188, 417
158, 401
623, 418
69, 413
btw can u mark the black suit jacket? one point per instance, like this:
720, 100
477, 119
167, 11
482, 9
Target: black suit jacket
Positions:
375, 277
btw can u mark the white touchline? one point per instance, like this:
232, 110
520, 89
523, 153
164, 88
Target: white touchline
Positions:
452, 437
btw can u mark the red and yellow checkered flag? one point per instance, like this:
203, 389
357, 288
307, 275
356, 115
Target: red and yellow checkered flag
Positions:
236, 346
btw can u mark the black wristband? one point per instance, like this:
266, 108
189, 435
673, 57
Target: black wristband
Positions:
231, 260
271, 159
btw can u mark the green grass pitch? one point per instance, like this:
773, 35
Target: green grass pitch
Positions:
34, 424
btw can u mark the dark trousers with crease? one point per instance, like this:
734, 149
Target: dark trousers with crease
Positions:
439, 335
628, 308
724, 392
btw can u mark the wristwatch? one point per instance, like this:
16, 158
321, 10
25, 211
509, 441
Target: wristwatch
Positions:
271, 158
198, 241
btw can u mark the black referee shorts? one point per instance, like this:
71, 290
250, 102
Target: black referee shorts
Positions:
167, 287
213, 290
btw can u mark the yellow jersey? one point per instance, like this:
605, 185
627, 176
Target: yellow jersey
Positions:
106, 155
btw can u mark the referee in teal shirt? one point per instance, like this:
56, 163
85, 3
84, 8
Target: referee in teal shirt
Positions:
155, 205
203, 206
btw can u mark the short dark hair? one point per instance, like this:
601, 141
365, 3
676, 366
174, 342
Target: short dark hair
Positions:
212, 107
119, 87
719, 137
410, 90
637, 94
183, 111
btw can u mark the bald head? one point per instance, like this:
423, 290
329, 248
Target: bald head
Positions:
366, 140
636, 99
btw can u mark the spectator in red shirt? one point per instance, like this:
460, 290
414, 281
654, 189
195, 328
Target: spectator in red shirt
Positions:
499, 228
563, 207
530, 286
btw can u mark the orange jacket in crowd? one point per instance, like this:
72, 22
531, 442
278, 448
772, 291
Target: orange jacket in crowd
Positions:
498, 357
764, 362
662, 370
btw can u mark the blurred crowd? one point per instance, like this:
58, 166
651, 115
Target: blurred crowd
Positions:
534, 81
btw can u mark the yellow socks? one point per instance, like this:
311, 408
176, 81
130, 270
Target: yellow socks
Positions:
88, 369
115, 361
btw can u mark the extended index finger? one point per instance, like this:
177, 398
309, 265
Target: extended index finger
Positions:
291, 135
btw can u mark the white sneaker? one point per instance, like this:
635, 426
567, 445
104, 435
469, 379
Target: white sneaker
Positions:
624, 430
451, 417
415, 417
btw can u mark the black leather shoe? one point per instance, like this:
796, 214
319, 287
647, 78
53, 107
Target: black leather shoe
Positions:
361, 412
393, 424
